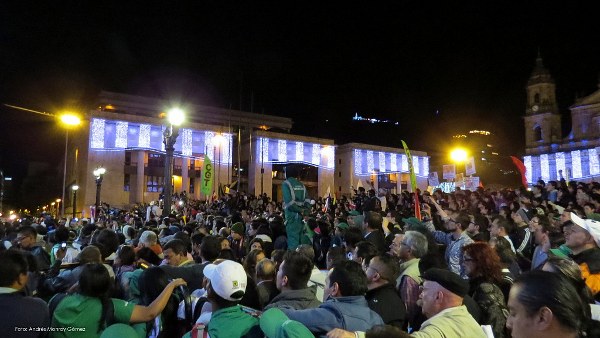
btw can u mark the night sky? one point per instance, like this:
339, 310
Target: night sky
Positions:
435, 68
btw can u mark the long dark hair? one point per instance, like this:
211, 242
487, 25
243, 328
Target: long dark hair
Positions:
95, 281
151, 283
547, 289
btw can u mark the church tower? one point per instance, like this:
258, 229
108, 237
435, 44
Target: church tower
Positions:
542, 118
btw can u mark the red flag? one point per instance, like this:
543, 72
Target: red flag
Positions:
521, 168
417, 205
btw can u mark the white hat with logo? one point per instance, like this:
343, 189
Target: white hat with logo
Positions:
589, 225
227, 278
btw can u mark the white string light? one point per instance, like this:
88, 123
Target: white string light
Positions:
97, 139
594, 163
144, 137
282, 150
370, 162
121, 137
381, 162
316, 154
299, 151
186, 142
545, 165
393, 162
357, 162
528, 168
576, 163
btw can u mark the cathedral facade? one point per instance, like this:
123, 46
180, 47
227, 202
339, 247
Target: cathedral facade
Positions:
549, 154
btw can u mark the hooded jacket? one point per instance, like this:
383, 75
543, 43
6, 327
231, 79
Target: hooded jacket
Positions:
351, 313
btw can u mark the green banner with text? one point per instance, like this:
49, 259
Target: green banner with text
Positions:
207, 177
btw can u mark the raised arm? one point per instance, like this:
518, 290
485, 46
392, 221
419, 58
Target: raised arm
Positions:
142, 314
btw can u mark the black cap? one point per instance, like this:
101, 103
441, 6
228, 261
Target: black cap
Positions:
448, 280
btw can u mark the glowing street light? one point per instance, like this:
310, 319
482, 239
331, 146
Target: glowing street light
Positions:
69, 120
99, 176
175, 117
74, 188
458, 155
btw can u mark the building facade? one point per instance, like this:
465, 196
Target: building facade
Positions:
124, 135
386, 168
549, 155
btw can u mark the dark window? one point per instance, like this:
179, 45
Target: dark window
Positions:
340, 174
128, 158
536, 98
191, 188
537, 133
156, 160
340, 161
126, 182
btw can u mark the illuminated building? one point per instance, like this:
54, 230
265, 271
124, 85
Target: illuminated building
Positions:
549, 155
124, 134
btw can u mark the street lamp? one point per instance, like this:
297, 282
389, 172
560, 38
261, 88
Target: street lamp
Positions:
218, 141
458, 155
53, 209
99, 175
68, 120
58, 200
175, 117
74, 188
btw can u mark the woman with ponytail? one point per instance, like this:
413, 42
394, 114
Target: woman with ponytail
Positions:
151, 283
90, 310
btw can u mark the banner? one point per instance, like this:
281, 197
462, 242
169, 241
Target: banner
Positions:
471, 183
413, 180
433, 179
449, 172
207, 177
470, 166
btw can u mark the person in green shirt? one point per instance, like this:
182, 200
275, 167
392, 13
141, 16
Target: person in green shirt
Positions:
85, 313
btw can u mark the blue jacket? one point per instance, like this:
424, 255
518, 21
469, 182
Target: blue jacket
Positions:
349, 313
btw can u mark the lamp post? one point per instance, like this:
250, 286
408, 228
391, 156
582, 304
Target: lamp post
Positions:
53, 210
58, 204
99, 175
74, 188
69, 120
175, 117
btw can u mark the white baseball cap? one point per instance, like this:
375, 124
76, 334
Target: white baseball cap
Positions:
227, 278
589, 225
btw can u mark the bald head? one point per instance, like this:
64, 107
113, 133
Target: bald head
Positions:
265, 270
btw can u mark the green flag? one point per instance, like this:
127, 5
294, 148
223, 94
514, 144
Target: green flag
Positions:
411, 168
207, 177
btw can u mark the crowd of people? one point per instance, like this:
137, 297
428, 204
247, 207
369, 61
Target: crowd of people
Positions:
507, 263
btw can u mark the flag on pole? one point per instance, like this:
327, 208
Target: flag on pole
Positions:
413, 180
521, 168
207, 177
